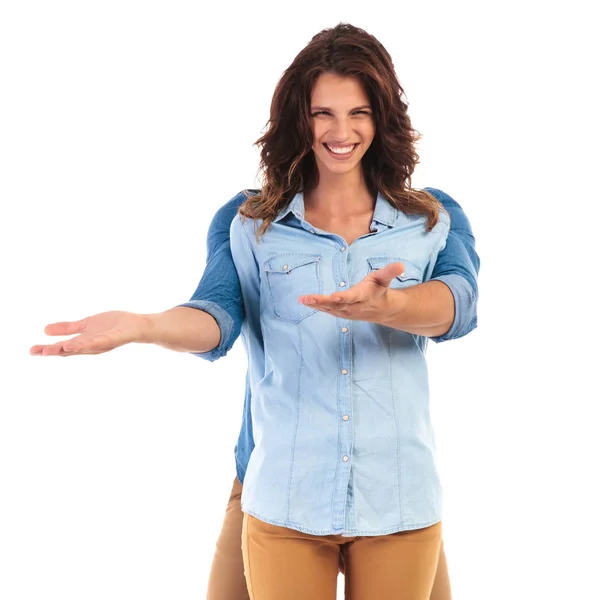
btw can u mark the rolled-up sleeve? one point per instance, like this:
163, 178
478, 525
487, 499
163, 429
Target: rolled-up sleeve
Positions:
218, 292
457, 266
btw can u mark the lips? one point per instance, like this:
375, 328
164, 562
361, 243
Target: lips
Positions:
340, 152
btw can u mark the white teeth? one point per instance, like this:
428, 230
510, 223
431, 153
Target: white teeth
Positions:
345, 150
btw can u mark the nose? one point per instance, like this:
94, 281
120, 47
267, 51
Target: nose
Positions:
341, 130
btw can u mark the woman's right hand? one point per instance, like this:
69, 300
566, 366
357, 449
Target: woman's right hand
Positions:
97, 334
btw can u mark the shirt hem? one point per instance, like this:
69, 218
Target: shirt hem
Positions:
344, 533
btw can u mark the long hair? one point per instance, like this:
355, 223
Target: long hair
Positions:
287, 161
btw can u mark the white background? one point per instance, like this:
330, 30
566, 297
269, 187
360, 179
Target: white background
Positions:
125, 125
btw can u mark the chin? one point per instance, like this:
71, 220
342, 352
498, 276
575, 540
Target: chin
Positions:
337, 168
342, 169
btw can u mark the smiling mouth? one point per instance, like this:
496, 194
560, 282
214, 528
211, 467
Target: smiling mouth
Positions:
341, 151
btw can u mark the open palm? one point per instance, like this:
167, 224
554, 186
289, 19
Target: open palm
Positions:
366, 301
94, 335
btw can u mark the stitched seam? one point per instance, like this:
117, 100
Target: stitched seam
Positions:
436, 250
310, 258
251, 245
351, 413
389, 351
297, 424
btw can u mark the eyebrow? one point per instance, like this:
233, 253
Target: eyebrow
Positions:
331, 110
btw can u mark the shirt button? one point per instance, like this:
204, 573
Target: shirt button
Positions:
342, 283
344, 371
342, 248
345, 417
285, 267
312, 230
345, 459
344, 329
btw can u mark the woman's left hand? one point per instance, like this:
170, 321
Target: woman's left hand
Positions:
368, 300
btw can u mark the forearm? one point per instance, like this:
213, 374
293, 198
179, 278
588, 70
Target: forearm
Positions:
425, 309
183, 329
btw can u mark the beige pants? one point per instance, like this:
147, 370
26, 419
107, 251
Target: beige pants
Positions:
227, 580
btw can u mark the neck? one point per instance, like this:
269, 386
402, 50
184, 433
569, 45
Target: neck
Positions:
338, 195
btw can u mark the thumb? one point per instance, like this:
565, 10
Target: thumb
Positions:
386, 275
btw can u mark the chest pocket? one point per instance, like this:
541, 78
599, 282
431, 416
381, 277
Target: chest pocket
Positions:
412, 274
289, 276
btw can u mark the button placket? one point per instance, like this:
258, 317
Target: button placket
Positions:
341, 277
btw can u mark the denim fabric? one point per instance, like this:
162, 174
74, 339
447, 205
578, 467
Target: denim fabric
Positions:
218, 292
340, 408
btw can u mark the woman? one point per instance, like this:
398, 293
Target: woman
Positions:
218, 294
174, 329
344, 452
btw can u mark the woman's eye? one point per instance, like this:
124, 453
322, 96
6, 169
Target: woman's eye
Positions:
325, 113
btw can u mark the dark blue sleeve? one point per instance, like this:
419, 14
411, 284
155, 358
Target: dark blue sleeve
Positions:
218, 292
457, 265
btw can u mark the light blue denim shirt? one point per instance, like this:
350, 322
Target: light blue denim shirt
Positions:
218, 293
340, 408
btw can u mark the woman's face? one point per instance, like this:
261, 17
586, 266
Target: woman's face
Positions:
342, 122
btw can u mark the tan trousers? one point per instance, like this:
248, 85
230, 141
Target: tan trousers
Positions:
227, 580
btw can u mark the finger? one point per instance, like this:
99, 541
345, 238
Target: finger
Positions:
324, 304
83, 345
76, 345
96, 344
66, 327
67, 354
335, 299
52, 350
350, 297
387, 274
80, 352
39, 350
312, 298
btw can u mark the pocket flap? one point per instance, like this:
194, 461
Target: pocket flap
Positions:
286, 263
411, 271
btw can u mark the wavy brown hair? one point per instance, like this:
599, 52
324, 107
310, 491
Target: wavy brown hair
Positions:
286, 160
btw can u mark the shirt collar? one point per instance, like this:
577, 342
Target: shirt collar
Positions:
296, 206
384, 212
